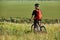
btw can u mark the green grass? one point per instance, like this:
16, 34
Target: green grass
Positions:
15, 31
50, 9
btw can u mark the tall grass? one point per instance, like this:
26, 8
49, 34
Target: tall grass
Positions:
15, 31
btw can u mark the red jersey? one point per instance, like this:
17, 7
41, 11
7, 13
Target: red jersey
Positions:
37, 14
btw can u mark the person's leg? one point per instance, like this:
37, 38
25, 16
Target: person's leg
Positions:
35, 25
39, 24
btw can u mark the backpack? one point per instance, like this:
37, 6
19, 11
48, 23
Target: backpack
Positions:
39, 14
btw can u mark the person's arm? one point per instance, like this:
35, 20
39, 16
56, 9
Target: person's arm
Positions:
32, 15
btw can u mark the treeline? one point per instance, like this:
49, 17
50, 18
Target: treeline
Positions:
29, 0
27, 20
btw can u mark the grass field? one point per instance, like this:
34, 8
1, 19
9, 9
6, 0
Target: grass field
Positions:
22, 31
13, 31
50, 9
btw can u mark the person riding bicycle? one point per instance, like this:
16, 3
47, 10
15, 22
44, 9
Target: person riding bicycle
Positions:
37, 15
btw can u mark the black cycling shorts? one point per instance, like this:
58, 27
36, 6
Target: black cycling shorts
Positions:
36, 23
